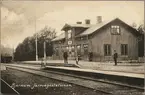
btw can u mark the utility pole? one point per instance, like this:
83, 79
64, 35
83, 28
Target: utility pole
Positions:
36, 42
44, 53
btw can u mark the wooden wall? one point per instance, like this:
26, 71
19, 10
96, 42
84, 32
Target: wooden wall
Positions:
104, 37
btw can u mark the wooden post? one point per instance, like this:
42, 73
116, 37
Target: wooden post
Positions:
44, 53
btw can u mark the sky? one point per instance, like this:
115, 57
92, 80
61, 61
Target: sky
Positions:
18, 17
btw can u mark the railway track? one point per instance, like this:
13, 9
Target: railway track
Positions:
7, 89
106, 87
89, 78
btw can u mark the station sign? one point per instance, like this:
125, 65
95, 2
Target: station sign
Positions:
69, 42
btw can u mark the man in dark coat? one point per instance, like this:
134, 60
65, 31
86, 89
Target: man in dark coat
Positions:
115, 56
90, 56
65, 56
78, 58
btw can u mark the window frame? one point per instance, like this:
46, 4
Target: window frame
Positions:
69, 33
124, 49
78, 49
86, 47
114, 30
57, 51
107, 50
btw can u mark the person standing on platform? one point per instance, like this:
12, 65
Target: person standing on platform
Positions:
77, 59
115, 56
65, 56
90, 56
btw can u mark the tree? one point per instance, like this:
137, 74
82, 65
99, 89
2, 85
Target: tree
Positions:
27, 49
141, 28
46, 35
141, 40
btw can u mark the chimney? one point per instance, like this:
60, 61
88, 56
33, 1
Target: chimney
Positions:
99, 19
79, 22
87, 21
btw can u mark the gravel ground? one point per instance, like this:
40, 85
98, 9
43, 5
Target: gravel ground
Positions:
26, 83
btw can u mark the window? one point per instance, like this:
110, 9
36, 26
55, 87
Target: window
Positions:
67, 48
124, 49
85, 48
107, 49
73, 49
79, 49
115, 30
56, 51
69, 34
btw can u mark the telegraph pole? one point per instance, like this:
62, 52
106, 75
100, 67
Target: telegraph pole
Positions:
44, 52
36, 42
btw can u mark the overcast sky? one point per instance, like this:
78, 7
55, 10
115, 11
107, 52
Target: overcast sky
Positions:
17, 17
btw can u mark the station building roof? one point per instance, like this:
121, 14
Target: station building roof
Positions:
91, 28
60, 37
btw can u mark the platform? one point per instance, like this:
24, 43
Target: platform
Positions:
103, 66
134, 75
124, 77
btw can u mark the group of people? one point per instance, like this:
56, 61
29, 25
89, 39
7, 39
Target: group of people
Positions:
65, 56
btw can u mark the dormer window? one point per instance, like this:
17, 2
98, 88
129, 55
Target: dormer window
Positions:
115, 30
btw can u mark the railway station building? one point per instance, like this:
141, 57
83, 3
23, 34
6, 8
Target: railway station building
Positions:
100, 39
